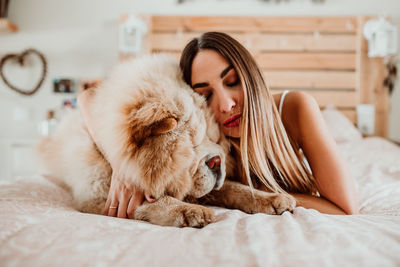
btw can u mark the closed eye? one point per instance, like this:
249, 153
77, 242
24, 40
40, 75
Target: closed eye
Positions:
234, 83
208, 96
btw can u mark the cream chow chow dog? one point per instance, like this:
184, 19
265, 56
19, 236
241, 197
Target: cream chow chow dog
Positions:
171, 148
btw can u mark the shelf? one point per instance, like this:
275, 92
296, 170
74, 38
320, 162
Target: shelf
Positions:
7, 26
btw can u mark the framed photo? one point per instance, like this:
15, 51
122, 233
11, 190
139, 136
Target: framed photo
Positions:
64, 85
69, 103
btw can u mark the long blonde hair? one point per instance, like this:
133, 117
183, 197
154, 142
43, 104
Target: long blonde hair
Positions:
265, 150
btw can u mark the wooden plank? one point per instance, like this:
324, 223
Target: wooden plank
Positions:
176, 41
310, 79
340, 99
300, 61
255, 24
171, 41
303, 61
382, 110
360, 58
298, 42
147, 41
369, 83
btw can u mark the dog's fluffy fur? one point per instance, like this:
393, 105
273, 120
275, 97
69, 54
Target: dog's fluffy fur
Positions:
145, 114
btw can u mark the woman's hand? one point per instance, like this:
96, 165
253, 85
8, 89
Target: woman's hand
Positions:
122, 200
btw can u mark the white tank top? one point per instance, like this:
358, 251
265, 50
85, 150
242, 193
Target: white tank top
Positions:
281, 101
280, 113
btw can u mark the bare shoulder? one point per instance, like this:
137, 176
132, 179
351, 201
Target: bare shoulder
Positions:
298, 110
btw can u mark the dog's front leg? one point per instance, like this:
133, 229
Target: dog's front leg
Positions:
169, 211
234, 195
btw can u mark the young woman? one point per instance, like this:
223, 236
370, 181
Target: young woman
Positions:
280, 142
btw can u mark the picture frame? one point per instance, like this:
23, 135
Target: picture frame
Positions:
64, 85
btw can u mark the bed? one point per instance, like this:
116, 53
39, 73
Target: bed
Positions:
39, 227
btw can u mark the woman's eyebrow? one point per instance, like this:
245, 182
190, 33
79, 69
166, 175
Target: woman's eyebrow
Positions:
199, 85
225, 71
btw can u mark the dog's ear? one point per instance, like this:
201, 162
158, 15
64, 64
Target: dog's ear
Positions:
148, 118
139, 134
164, 126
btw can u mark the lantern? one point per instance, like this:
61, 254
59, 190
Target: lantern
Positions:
381, 36
131, 33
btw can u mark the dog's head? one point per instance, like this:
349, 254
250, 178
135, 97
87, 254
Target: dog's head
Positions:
167, 138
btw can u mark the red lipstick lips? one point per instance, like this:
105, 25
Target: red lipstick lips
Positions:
232, 121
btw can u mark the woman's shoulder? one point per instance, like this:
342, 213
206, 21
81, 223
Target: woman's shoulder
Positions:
299, 100
298, 107
292, 99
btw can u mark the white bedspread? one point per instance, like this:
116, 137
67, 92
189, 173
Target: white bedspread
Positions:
38, 227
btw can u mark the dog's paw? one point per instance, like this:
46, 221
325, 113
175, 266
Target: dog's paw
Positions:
193, 216
168, 211
283, 203
273, 203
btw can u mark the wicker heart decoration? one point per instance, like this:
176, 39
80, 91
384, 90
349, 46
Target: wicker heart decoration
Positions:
20, 59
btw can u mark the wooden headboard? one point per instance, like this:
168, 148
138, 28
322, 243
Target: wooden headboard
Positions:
324, 56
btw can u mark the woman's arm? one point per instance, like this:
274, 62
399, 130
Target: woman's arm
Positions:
122, 200
334, 180
318, 203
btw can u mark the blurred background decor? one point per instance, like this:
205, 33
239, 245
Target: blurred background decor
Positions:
23, 60
64, 85
381, 36
4, 8
5, 24
391, 73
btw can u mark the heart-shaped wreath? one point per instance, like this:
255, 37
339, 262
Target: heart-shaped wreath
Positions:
20, 59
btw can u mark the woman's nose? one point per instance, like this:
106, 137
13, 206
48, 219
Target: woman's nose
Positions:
226, 102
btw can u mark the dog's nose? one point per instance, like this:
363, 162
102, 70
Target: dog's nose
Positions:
214, 163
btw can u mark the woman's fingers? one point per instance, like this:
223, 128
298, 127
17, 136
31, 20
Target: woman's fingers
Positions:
113, 209
110, 199
136, 200
149, 198
123, 203
107, 206
122, 200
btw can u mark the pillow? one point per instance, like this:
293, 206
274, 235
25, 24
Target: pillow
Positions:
340, 127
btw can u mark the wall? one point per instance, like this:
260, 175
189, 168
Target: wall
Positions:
79, 40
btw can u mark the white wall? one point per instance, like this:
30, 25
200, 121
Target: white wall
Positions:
79, 40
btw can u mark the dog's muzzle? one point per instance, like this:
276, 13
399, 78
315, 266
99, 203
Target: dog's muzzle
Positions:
214, 164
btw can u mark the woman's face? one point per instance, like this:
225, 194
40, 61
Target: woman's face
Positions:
215, 79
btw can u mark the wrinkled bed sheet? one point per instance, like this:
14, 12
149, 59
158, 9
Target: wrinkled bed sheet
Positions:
38, 227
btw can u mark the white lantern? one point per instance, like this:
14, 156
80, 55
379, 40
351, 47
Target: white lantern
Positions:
381, 36
131, 33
